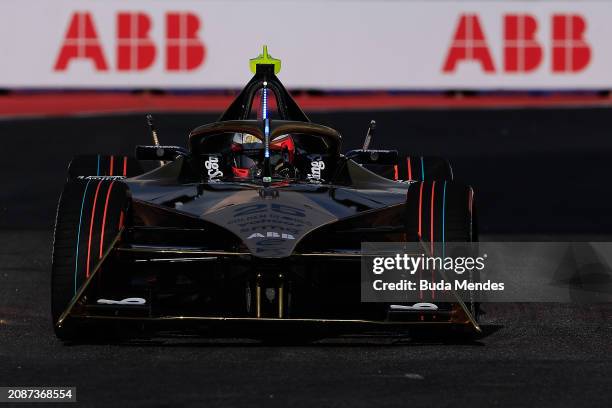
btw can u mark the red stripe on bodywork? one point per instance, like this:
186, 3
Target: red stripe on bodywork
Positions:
420, 226
420, 210
91, 223
395, 172
431, 234
431, 228
409, 169
108, 193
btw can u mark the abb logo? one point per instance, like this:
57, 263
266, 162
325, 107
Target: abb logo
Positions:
522, 50
136, 51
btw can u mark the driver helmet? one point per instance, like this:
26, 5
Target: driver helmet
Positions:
247, 154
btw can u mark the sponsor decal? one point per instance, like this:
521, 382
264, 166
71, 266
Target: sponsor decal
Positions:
270, 234
135, 49
212, 167
269, 228
264, 208
522, 50
100, 177
126, 301
182, 45
316, 169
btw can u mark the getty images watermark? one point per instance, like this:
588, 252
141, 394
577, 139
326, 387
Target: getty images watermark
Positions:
412, 264
487, 272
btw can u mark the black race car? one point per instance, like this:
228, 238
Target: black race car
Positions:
255, 228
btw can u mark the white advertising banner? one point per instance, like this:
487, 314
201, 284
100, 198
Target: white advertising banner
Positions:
342, 44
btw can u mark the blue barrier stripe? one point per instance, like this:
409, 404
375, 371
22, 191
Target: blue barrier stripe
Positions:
76, 262
98, 171
422, 169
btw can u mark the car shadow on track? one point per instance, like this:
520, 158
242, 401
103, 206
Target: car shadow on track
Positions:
176, 340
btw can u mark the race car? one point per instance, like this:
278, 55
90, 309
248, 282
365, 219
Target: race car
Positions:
254, 228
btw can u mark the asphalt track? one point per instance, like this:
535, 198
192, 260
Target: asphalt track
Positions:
532, 354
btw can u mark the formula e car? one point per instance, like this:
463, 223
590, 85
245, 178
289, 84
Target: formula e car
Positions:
254, 228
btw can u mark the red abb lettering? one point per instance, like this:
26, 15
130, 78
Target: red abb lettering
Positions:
570, 52
184, 50
469, 44
135, 50
81, 41
522, 53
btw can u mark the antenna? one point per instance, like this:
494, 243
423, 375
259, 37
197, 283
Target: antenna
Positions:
369, 135
153, 130
154, 135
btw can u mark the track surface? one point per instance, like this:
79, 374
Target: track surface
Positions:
534, 171
536, 355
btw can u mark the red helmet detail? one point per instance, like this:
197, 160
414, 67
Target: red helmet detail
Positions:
238, 172
286, 142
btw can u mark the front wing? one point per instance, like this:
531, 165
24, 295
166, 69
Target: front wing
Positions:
251, 298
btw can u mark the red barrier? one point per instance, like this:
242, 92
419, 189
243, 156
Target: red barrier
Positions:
66, 104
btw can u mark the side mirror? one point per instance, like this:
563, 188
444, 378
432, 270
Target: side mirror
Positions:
382, 157
163, 153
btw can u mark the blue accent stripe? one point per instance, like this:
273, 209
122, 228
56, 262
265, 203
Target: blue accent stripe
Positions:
98, 172
422, 169
264, 113
443, 218
264, 110
76, 261
267, 138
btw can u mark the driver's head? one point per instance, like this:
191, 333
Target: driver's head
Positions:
245, 155
285, 146
248, 150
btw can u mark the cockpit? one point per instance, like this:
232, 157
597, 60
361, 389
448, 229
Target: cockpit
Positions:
301, 155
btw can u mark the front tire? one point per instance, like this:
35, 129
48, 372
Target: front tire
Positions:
90, 214
439, 213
